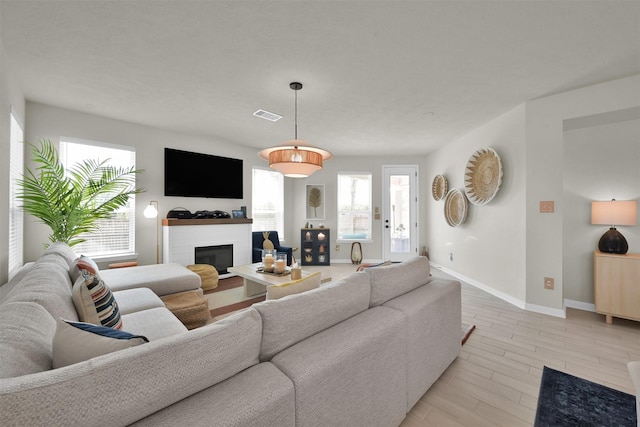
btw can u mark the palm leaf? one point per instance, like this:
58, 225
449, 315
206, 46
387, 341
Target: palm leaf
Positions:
70, 202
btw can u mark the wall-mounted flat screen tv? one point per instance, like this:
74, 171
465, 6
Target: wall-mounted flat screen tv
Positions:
190, 174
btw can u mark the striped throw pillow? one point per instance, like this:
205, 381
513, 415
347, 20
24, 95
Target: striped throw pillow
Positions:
94, 301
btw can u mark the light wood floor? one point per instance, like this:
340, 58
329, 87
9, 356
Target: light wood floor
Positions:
496, 378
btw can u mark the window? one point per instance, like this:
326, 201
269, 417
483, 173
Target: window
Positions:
116, 235
16, 215
354, 206
267, 204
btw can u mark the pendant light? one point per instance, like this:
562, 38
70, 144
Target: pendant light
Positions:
296, 158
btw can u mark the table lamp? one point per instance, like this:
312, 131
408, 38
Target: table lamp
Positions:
614, 212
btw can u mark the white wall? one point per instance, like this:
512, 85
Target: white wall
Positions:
52, 122
489, 246
508, 246
602, 161
328, 176
10, 95
545, 164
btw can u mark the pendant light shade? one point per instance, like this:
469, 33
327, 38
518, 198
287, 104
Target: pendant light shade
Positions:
295, 159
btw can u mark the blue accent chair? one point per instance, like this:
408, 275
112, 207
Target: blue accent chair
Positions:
258, 239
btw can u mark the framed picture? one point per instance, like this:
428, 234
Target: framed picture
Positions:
238, 214
315, 201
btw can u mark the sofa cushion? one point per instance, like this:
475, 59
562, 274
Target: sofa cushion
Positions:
61, 250
132, 300
26, 329
74, 342
17, 277
352, 374
433, 315
289, 320
390, 281
154, 323
83, 262
47, 284
260, 396
94, 301
163, 279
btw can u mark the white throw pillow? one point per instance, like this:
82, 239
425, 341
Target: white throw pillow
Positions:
75, 342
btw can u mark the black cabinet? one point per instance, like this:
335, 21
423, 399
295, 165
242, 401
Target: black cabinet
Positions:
314, 248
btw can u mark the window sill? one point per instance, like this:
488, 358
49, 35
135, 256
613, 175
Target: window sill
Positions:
114, 258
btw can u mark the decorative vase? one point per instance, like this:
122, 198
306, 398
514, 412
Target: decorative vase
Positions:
356, 253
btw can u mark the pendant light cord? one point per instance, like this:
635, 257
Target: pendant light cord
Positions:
296, 115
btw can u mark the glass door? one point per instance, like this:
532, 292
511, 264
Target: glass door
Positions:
400, 220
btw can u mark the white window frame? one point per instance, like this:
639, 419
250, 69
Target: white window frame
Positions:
97, 245
272, 186
345, 210
16, 214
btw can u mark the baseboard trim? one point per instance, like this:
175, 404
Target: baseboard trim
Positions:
579, 305
488, 289
503, 296
555, 312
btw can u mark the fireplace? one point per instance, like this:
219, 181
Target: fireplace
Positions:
220, 256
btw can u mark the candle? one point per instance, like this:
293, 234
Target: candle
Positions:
280, 265
268, 262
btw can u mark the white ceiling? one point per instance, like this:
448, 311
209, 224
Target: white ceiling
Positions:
386, 77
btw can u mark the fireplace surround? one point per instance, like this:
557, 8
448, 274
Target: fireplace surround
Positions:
181, 237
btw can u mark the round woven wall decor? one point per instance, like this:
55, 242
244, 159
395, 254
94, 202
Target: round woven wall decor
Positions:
455, 208
440, 187
483, 176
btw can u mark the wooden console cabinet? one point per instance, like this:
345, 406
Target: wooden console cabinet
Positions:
617, 285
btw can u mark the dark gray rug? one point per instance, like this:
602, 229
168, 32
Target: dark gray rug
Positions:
566, 400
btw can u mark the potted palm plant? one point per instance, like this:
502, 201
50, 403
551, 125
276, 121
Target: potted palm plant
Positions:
70, 202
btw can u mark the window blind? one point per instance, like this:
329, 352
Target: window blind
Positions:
116, 235
267, 204
16, 215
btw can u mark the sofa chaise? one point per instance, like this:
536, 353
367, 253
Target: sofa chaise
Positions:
356, 352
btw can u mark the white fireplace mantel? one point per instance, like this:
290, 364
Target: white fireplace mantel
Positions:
180, 237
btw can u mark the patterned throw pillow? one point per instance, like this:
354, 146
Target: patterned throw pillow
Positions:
75, 342
94, 301
83, 262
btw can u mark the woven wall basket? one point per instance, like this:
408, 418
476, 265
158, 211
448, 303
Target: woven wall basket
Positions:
482, 176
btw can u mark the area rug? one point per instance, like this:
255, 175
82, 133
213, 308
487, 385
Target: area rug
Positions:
226, 284
566, 400
466, 332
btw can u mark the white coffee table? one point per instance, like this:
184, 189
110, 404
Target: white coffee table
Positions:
255, 283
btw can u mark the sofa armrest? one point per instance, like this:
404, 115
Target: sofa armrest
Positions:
107, 389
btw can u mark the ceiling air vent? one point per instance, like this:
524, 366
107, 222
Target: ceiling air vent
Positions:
263, 114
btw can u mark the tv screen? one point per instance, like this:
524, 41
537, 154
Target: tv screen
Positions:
190, 174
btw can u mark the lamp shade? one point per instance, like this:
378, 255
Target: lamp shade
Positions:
150, 211
614, 212
296, 160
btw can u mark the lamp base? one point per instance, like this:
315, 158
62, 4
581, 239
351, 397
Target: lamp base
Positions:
612, 242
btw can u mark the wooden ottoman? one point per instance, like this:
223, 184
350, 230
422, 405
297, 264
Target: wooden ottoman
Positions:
190, 307
208, 275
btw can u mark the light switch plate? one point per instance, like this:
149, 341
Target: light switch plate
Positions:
547, 206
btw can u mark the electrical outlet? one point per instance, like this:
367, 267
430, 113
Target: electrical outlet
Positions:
548, 282
337, 248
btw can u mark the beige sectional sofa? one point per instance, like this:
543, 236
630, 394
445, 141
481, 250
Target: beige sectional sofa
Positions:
356, 352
